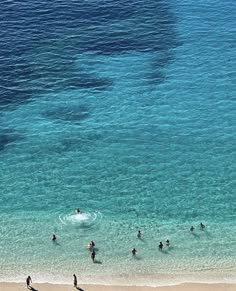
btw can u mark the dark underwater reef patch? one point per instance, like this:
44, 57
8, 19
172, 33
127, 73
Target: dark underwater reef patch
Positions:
80, 141
102, 26
53, 73
8, 136
155, 74
84, 142
121, 26
30, 75
40, 41
14, 86
73, 114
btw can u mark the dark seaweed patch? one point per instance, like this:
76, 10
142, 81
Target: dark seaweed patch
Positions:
7, 136
69, 114
14, 75
40, 41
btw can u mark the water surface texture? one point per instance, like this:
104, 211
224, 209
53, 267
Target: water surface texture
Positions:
127, 110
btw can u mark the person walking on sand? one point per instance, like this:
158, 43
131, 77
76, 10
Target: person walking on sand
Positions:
93, 254
75, 280
28, 281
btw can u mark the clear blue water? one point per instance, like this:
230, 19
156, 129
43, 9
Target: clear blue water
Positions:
126, 110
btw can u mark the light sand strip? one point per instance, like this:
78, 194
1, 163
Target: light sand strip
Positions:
57, 287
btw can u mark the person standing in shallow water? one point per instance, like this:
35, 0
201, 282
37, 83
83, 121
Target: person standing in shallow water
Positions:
139, 234
134, 251
28, 281
160, 245
93, 254
191, 228
202, 225
53, 237
75, 280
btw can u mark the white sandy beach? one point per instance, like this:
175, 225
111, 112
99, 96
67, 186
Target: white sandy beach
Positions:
61, 287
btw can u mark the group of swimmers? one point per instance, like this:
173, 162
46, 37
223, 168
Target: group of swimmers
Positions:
139, 235
202, 226
91, 244
161, 245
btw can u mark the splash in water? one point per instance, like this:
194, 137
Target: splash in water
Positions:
84, 219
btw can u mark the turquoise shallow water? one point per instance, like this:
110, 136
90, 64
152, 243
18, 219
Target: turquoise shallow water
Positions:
127, 112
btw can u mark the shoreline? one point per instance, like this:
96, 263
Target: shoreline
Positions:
5, 286
138, 280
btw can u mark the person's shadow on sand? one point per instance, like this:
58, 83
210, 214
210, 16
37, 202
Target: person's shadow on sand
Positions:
78, 288
32, 288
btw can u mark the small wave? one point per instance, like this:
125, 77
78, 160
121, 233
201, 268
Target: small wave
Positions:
83, 219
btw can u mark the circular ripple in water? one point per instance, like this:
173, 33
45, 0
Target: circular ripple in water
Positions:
85, 219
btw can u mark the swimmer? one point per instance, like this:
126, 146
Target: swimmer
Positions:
202, 225
139, 234
167, 242
93, 254
160, 245
191, 228
77, 211
53, 237
134, 251
91, 245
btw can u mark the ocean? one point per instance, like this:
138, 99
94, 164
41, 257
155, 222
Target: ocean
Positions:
126, 110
